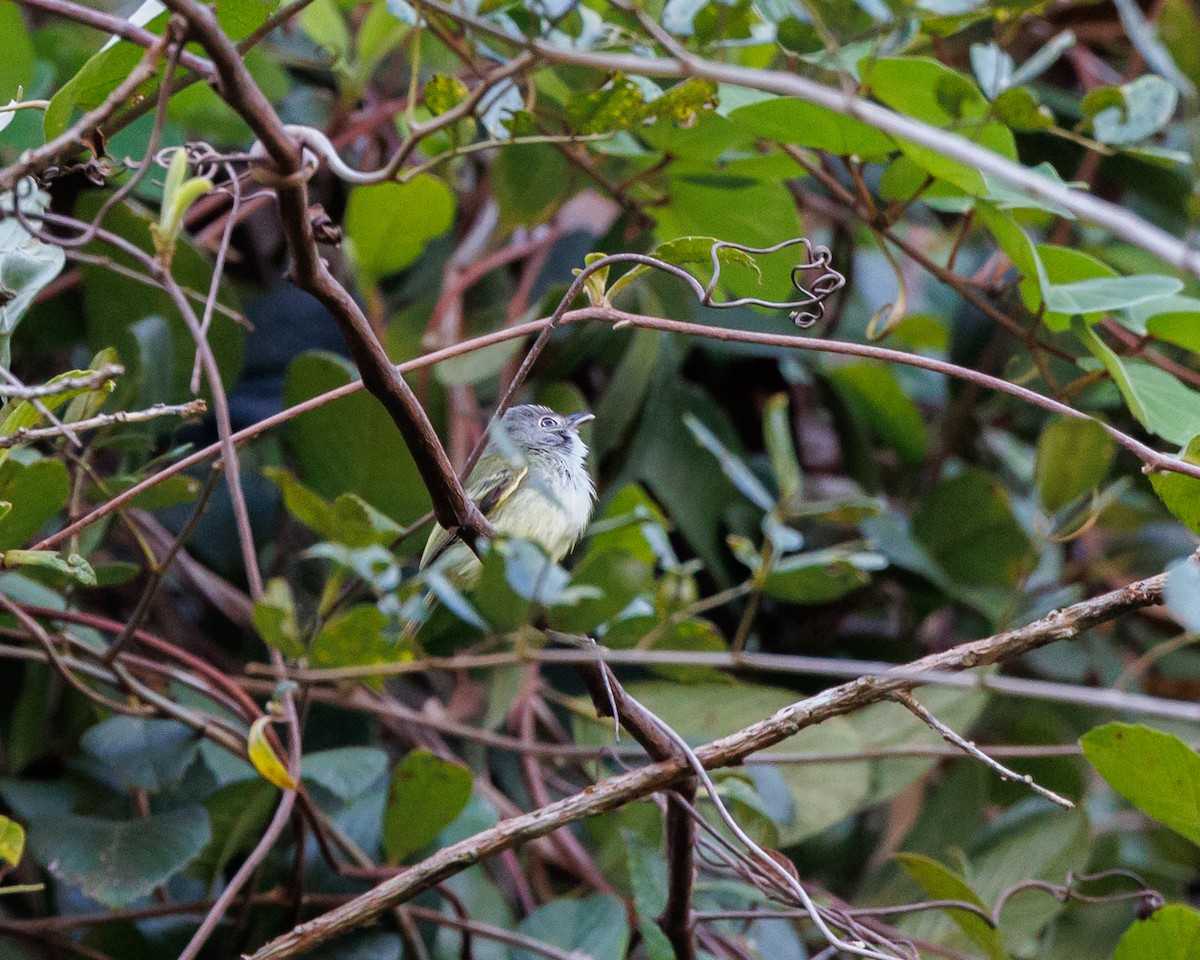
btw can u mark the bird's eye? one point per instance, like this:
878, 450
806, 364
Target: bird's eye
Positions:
547, 423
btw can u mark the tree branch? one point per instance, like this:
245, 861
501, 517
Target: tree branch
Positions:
288, 175
1063, 624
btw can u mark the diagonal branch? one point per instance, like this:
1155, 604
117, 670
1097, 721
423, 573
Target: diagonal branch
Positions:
288, 173
1064, 624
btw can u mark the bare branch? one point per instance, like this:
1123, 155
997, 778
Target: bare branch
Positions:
909, 702
92, 380
1061, 625
193, 408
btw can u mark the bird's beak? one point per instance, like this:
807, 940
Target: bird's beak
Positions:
577, 420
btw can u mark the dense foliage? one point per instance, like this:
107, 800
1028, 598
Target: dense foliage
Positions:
231, 702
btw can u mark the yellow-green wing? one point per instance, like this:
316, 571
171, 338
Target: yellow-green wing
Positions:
491, 490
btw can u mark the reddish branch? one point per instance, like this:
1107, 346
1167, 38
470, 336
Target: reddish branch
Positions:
288, 174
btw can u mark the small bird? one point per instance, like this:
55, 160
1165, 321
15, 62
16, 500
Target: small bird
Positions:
531, 482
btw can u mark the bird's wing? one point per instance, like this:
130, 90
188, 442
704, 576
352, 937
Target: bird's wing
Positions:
488, 495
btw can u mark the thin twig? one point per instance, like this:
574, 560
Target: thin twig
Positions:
910, 703
193, 408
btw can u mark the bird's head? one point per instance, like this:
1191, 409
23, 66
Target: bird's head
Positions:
535, 430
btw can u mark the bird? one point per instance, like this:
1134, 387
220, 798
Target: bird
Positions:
531, 482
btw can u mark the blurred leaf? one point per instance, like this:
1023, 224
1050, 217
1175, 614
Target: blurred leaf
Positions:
355, 637
529, 180
874, 394
1155, 771
264, 758
27, 264
649, 878
1181, 595
276, 620
781, 447
786, 120
941, 883
349, 520
1149, 105
926, 89
684, 251
238, 812
968, 527
740, 475
37, 490
821, 576
12, 841
443, 93
347, 772
17, 65
1073, 458
650, 633
388, 225
705, 711
1019, 109
1170, 933
426, 794
1180, 494
72, 567
117, 862
370, 460
325, 24
142, 753
596, 927
1158, 401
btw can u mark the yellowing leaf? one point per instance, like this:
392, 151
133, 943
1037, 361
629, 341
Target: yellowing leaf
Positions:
12, 841
266, 761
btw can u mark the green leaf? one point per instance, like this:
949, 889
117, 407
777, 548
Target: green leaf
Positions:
1156, 772
426, 794
355, 637
967, 524
618, 105
238, 812
649, 878
37, 491
72, 567
529, 180
941, 883
873, 393
99, 76
1158, 401
1170, 933
349, 520
142, 753
926, 89
821, 576
1020, 110
781, 448
117, 862
651, 633
389, 225
276, 620
1073, 458
17, 64
370, 460
1105, 294
443, 93
325, 24
1149, 105
1180, 493
787, 120
685, 251
740, 475
27, 264
596, 927
12, 841
346, 772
